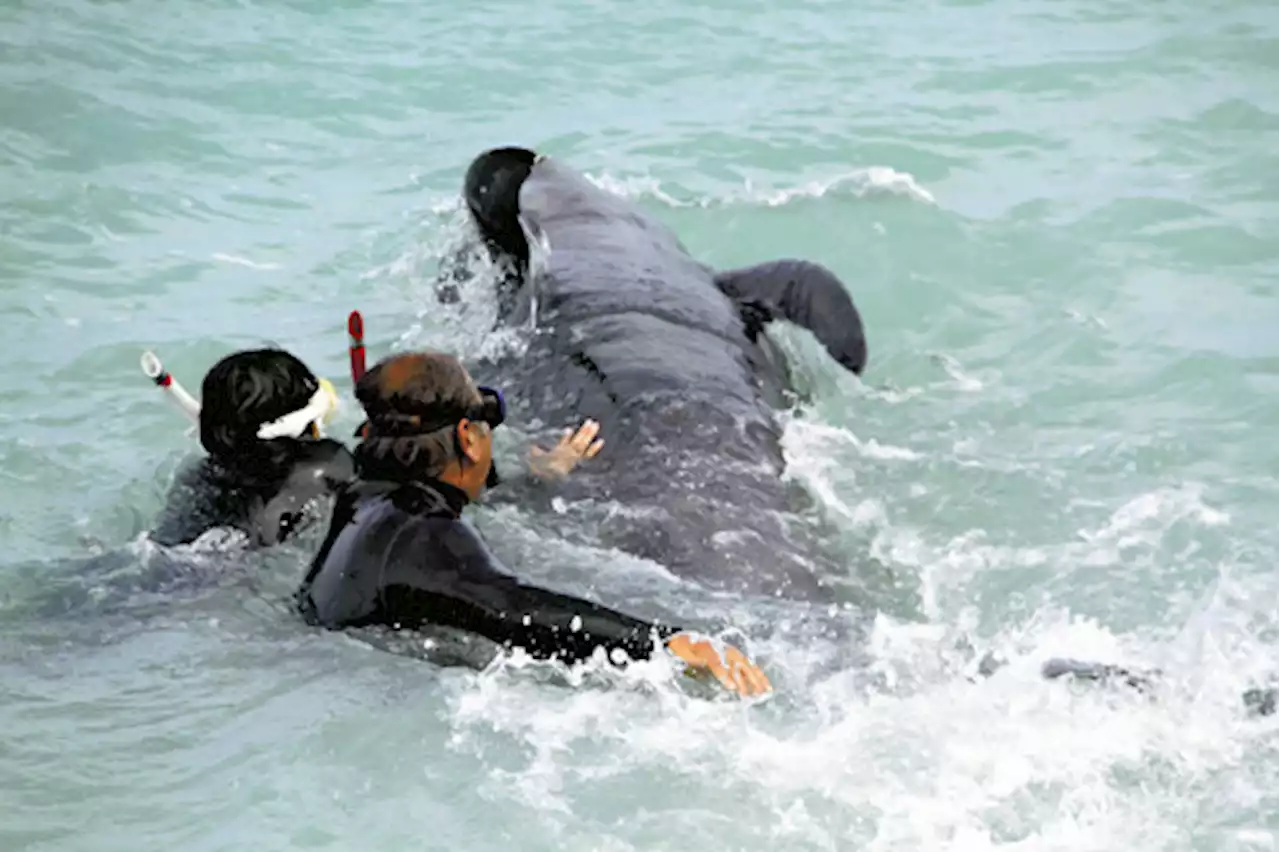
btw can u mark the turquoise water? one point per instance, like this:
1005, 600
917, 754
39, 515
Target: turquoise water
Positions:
1058, 219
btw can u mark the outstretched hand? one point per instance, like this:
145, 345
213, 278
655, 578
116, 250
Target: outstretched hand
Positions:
733, 670
573, 448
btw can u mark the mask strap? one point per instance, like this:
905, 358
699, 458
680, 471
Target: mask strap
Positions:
321, 408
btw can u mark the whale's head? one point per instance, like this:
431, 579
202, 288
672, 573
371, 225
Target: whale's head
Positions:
492, 193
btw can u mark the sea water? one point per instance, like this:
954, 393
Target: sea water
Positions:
1059, 221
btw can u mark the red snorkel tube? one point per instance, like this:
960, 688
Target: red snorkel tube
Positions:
355, 329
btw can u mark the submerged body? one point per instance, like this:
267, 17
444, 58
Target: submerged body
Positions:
268, 504
669, 356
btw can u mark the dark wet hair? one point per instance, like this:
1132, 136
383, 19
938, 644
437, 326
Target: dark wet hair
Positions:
404, 397
243, 391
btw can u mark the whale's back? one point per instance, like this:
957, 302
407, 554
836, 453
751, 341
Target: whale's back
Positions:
633, 332
621, 300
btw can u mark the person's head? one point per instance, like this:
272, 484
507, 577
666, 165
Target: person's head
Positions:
428, 420
253, 401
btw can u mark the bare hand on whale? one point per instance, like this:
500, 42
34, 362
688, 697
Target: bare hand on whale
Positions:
573, 447
733, 670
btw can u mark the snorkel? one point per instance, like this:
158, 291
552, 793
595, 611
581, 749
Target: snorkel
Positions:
153, 369
355, 330
320, 409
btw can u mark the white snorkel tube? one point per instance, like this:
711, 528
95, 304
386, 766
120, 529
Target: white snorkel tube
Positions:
155, 371
320, 409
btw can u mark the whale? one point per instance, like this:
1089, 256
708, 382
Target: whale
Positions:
673, 359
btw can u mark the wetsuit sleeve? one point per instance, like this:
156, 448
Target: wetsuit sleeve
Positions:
447, 576
805, 293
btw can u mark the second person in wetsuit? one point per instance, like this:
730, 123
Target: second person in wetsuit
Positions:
399, 554
260, 411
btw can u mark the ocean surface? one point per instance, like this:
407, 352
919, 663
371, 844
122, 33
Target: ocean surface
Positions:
1059, 220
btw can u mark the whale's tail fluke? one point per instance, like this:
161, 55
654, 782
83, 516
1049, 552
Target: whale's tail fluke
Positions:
805, 293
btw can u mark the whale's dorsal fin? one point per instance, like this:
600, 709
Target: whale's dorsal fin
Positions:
802, 292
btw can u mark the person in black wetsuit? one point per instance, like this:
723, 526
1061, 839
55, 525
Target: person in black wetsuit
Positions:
266, 464
399, 554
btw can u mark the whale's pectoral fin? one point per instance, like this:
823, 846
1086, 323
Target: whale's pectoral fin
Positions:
802, 292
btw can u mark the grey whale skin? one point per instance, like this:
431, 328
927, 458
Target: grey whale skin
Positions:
670, 357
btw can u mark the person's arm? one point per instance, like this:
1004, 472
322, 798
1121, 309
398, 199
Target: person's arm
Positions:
452, 579
447, 576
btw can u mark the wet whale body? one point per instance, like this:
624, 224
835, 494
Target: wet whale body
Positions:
672, 358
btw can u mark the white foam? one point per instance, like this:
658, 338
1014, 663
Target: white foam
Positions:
951, 366
1010, 762
856, 183
1134, 521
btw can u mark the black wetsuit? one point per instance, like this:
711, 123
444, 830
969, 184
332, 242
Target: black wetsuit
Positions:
267, 501
399, 554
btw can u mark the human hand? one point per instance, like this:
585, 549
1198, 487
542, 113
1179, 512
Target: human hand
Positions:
734, 670
573, 448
